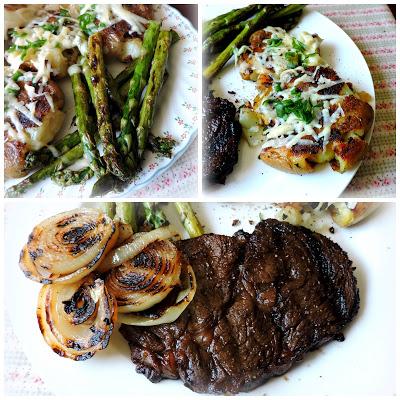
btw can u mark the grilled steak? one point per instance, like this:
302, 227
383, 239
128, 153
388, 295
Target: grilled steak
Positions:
221, 137
263, 301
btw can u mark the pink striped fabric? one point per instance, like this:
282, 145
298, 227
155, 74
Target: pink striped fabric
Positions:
373, 30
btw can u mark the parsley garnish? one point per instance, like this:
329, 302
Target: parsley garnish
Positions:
299, 46
24, 48
53, 28
64, 12
274, 42
302, 109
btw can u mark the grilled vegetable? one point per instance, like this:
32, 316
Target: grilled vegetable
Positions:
68, 177
126, 211
154, 85
218, 40
68, 246
139, 242
166, 313
224, 20
77, 319
65, 160
154, 217
85, 125
44, 156
126, 74
141, 282
262, 16
127, 141
98, 78
189, 220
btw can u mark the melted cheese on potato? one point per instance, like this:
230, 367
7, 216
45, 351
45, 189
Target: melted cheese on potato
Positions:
292, 107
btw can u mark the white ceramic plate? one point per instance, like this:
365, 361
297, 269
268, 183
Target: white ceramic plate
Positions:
176, 114
252, 179
364, 364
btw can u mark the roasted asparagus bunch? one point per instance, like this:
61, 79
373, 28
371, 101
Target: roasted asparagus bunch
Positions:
132, 97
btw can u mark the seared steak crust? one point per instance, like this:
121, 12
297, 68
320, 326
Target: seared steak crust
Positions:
221, 137
263, 301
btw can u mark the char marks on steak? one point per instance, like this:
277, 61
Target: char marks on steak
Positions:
221, 137
263, 301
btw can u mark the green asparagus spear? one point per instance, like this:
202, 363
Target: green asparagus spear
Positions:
98, 79
113, 91
127, 213
126, 74
67, 177
44, 156
108, 208
215, 42
224, 20
154, 216
189, 219
154, 85
136, 86
85, 126
250, 26
65, 160
287, 11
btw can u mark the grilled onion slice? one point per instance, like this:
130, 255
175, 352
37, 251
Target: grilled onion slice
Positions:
161, 314
67, 247
145, 280
76, 319
138, 243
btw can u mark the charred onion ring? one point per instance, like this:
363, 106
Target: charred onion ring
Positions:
161, 314
76, 319
67, 247
146, 280
138, 243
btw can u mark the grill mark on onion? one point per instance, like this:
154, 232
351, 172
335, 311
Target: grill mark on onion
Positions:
82, 313
58, 330
146, 279
67, 221
76, 235
68, 246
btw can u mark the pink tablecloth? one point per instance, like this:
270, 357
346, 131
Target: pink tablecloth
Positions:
373, 30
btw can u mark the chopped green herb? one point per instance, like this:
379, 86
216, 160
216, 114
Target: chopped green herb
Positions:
87, 23
53, 28
64, 12
299, 46
302, 109
17, 75
295, 92
14, 33
13, 91
292, 58
24, 48
277, 87
274, 42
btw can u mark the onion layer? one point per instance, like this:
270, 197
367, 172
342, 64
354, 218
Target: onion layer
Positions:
145, 280
77, 319
67, 247
165, 315
139, 242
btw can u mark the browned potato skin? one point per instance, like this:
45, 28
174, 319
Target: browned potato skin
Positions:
15, 151
344, 217
346, 148
115, 35
14, 158
285, 160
